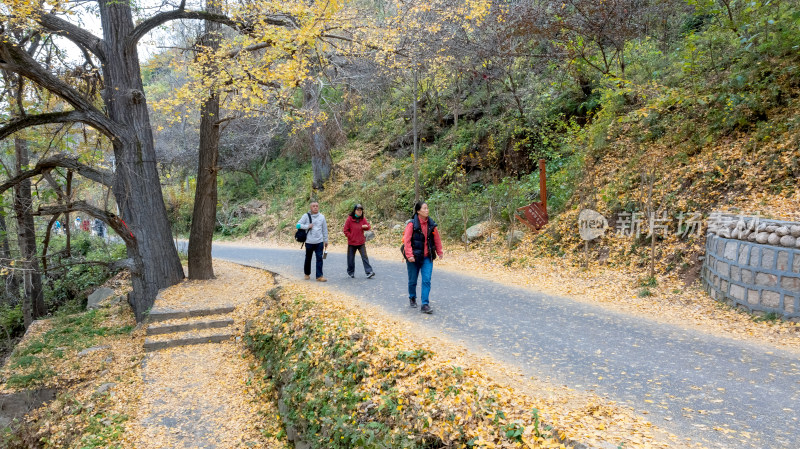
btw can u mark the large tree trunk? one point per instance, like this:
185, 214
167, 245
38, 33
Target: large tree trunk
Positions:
204, 215
321, 161
33, 301
137, 187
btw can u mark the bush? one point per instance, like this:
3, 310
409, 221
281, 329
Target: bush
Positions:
75, 282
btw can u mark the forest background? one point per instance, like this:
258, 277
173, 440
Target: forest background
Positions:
674, 107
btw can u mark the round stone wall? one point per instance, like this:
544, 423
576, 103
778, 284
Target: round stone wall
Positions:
759, 277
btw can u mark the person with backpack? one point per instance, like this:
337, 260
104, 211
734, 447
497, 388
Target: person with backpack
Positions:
421, 245
354, 227
316, 239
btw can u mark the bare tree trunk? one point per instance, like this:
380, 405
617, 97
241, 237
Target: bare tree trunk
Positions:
416, 139
67, 223
10, 280
33, 299
321, 161
204, 214
137, 187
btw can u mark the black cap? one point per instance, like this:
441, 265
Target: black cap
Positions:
358, 206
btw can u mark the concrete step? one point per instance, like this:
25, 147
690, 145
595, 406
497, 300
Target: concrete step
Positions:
188, 326
152, 344
157, 315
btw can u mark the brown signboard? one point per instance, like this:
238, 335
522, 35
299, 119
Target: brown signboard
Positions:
533, 215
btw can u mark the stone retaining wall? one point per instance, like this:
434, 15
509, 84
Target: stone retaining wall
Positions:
759, 277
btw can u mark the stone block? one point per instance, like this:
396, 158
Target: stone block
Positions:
747, 276
716, 281
767, 258
722, 269
98, 296
766, 279
770, 299
773, 239
783, 261
752, 296
723, 285
755, 255
796, 262
790, 283
789, 305
731, 251
720, 247
744, 252
737, 292
735, 274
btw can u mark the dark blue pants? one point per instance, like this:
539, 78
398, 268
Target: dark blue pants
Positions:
316, 249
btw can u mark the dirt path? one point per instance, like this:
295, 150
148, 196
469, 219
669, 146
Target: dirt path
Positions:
203, 396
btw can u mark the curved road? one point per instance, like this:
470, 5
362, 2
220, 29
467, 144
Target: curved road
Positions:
693, 384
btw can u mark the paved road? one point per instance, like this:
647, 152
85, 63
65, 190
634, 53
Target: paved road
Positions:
688, 381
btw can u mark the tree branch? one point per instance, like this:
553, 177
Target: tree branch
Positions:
114, 265
164, 17
112, 220
76, 34
16, 60
20, 123
61, 160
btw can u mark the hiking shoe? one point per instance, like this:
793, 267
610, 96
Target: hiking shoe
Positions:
308, 276
412, 302
321, 279
426, 309
371, 275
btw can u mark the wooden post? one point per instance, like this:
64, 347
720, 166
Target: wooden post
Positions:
543, 185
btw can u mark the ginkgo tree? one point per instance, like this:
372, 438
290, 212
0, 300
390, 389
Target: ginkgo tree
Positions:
123, 118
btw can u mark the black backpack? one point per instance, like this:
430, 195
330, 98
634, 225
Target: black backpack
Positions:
301, 233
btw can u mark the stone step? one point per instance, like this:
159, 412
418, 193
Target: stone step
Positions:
163, 315
154, 345
189, 326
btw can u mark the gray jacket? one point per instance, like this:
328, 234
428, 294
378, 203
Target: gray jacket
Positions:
317, 234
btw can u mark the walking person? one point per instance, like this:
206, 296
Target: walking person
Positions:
316, 240
422, 244
354, 227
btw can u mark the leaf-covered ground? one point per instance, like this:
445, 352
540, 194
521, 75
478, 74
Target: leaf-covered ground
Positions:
409, 388
205, 395
92, 359
351, 370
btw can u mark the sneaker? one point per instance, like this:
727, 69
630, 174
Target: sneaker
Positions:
352, 275
426, 309
371, 275
321, 279
308, 276
412, 302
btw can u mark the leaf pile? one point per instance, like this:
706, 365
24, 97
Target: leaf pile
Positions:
352, 379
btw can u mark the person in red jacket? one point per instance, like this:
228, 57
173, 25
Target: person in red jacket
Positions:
421, 245
354, 228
